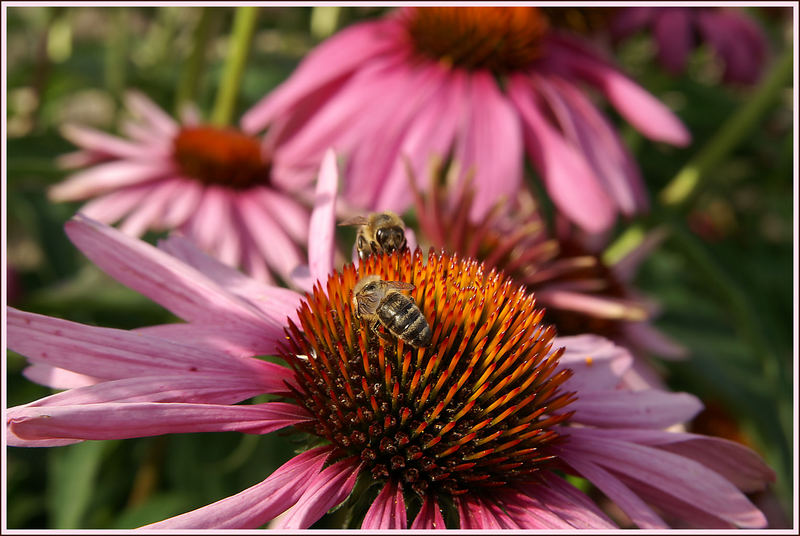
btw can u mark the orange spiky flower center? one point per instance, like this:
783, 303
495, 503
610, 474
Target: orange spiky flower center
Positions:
473, 410
220, 156
500, 39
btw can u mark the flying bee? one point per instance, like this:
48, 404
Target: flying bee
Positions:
383, 302
379, 232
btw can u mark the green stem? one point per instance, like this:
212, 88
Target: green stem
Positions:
116, 53
244, 24
324, 20
190, 78
684, 184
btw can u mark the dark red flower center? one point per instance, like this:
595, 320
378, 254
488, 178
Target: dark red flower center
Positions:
500, 39
473, 410
221, 156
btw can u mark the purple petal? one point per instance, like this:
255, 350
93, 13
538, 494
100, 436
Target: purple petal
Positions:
321, 240
258, 504
597, 363
676, 476
591, 304
570, 182
529, 509
639, 409
327, 489
571, 504
672, 30
388, 510
429, 516
646, 336
738, 41
332, 60
167, 281
142, 419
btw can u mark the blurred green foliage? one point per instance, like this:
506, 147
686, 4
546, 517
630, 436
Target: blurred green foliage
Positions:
723, 277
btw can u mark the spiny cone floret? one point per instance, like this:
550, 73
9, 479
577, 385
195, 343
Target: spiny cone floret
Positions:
472, 410
500, 39
221, 156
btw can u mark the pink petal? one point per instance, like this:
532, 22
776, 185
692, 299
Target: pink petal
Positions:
106, 144
142, 419
106, 177
151, 113
258, 504
278, 250
571, 504
628, 20
671, 474
639, 409
334, 59
327, 489
646, 336
275, 302
109, 208
150, 210
646, 113
570, 182
323, 220
58, 378
491, 144
183, 203
474, 513
167, 281
737, 40
289, 212
529, 510
672, 30
594, 305
115, 354
388, 511
429, 516
231, 341
597, 363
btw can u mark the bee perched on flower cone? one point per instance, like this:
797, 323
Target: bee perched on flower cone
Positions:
485, 427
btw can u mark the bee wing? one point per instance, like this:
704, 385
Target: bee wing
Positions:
399, 285
355, 221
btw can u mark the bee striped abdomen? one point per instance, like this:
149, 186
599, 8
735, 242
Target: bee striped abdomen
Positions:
404, 320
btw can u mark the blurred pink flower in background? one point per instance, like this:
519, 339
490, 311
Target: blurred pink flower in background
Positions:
218, 186
494, 401
476, 84
736, 39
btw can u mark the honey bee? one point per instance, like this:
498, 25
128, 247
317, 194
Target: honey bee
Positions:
383, 302
379, 232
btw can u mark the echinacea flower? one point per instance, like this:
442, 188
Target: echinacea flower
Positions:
736, 39
216, 185
580, 292
474, 83
476, 430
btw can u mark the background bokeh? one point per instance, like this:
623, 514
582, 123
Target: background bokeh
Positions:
723, 277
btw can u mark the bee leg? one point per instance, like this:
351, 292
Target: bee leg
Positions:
376, 329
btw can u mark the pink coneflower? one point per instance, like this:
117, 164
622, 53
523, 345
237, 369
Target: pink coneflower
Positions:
580, 292
478, 428
476, 83
216, 185
733, 36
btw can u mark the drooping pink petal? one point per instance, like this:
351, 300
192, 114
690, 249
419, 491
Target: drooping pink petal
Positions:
289, 212
107, 145
105, 177
275, 302
58, 378
634, 507
473, 513
491, 144
116, 354
155, 117
640, 409
529, 510
671, 474
327, 489
321, 240
274, 244
591, 304
672, 30
162, 278
429, 516
641, 109
258, 504
570, 182
183, 203
142, 419
150, 210
572, 505
335, 58
596, 363
388, 510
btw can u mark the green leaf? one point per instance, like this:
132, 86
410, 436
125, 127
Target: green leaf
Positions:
71, 481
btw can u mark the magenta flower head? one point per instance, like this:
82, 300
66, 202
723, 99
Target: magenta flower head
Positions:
483, 85
220, 187
477, 429
736, 39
